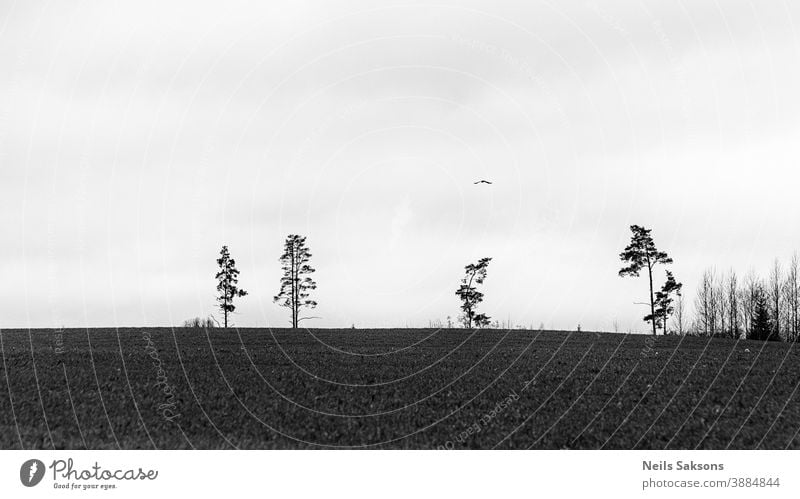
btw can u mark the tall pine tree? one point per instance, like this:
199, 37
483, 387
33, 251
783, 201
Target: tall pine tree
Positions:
296, 281
641, 254
227, 283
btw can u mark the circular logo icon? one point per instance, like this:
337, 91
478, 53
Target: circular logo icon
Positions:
31, 472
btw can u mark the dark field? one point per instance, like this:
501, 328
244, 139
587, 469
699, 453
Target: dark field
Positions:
260, 388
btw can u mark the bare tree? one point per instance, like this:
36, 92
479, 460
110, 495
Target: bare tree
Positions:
775, 297
720, 307
704, 304
741, 297
679, 317
734, 310
792, 291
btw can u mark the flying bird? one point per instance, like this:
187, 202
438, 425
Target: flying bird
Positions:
482, 182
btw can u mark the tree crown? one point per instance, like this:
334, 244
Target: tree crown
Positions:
641, 252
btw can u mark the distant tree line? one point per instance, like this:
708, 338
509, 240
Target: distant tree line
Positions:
725, 305
753, 307
200, 323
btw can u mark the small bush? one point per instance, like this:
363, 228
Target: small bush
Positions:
198, 323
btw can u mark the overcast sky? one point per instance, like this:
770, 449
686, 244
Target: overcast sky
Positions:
136, 138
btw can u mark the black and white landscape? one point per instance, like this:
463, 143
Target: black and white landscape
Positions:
465, 225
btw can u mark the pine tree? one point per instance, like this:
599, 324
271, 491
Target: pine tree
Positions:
761, 324
664, 302
296, 283
640, 254
470, 296
227, 283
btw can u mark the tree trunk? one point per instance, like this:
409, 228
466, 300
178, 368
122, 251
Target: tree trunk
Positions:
292, 276
652, 303
225, 303
469, 304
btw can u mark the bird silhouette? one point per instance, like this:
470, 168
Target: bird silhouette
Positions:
482, 182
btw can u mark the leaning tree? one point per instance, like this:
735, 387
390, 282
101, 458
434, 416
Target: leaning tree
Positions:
641, 254
296, 282
227, 283
475, 273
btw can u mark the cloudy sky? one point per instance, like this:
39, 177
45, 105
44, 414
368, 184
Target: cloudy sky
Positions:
136, 138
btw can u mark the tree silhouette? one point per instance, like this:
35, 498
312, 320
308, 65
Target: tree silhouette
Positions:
775, 296
747, 301
761, 328
793, 298
680, 315
470, 296
296, 283
642, 253
664, 302
704, 304
227, 283
734, 307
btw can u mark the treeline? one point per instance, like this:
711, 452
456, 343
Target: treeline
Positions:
725, 305
752, 307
